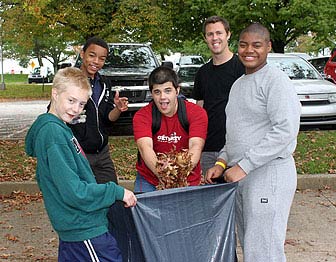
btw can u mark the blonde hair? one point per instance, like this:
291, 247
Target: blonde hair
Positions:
71, 76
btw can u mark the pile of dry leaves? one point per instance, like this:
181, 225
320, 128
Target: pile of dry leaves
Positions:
173, 169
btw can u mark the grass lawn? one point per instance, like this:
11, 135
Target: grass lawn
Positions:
16, 78
17, 88
315, 154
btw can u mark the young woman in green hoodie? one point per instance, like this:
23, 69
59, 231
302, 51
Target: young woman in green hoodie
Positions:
75, 203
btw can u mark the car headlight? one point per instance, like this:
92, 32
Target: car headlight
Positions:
332, 98
148, 96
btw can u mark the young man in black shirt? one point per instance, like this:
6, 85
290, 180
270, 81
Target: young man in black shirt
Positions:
212, 85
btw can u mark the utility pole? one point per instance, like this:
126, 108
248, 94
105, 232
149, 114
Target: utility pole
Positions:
2, 84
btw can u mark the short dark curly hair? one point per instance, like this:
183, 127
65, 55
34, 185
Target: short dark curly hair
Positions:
161, 75
95, 41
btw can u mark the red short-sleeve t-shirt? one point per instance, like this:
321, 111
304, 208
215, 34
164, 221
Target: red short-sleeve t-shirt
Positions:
170, 134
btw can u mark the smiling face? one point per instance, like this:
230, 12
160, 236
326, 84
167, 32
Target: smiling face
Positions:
165, 98
68, 103
253, 48
93, 59
216, 37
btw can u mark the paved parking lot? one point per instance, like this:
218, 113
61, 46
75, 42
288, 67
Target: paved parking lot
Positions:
16, 117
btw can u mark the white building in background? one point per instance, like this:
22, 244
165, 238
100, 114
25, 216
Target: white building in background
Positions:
11, 66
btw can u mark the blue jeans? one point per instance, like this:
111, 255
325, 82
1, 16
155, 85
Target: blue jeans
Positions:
141, 185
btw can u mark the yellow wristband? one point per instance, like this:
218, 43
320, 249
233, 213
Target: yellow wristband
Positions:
220, 164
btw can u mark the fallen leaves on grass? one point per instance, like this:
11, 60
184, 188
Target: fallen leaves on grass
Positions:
18, 199
15, 164
315, 154
124, 155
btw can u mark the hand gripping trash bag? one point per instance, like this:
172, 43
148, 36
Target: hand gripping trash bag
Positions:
181, 225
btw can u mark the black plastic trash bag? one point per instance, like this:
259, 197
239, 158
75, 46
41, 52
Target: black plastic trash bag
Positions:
184, 224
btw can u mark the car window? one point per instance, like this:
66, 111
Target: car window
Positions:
129, 56
187, 74
294, 67
191, 60
318, 62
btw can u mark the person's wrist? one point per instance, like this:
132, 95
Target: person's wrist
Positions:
220, 163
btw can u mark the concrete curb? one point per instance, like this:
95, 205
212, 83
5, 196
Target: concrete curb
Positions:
317, 181
313, 182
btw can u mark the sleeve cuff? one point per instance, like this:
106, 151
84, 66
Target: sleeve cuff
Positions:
120, 191
246, 165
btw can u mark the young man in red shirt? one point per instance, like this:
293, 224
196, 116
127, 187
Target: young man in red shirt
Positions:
163, 84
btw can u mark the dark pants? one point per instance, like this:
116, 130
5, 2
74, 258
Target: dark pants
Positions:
102, 248
102, 166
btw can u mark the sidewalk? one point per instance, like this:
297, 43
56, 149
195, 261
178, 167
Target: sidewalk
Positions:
17, 116
26, 234
311, 227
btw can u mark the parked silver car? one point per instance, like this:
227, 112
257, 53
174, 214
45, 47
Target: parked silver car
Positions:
317, 95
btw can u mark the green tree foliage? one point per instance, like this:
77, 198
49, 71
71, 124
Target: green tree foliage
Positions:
43, 28
286, 20
142, 21
191, 47
187, 17
34, 36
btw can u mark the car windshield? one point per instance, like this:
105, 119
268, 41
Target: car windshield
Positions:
123, 56
187, 74
191, 60
295, 67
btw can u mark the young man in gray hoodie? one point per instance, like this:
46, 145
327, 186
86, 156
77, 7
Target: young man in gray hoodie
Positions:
263, 118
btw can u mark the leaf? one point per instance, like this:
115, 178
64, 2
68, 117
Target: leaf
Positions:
173, 169
5, 256
12, 238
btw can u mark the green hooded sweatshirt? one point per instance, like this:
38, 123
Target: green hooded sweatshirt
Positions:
76, 205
